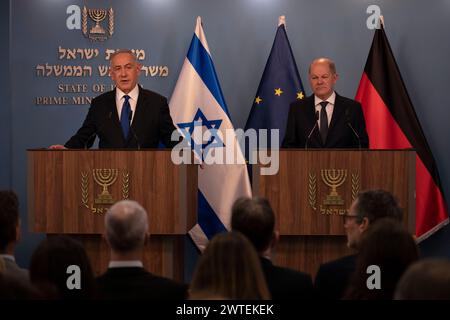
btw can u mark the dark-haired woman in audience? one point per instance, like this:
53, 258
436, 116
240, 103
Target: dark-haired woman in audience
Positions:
386, 251
60, 268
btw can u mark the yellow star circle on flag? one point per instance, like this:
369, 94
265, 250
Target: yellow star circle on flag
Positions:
300, 95
278, 92
258, 100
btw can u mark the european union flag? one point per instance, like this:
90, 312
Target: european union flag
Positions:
279, 86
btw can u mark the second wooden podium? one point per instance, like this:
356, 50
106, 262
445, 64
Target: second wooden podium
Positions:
313, 189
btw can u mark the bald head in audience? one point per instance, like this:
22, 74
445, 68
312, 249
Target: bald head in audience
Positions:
126, 231
126, 227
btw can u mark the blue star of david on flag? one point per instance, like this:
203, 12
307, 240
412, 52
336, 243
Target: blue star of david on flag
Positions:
212, 127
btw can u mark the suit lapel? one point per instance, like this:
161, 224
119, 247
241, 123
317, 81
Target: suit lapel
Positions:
337, 115
112, 106
138, 114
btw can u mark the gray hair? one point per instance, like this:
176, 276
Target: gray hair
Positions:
126, 225
128, 51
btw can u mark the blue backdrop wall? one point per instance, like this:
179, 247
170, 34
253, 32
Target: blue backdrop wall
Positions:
5, 109
240, 34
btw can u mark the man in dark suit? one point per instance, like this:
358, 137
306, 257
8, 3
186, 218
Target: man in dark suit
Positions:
254, 218
126, 227
369, 206
10, 234
127, 117
325, 119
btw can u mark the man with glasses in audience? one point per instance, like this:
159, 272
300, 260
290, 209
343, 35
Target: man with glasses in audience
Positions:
369, 206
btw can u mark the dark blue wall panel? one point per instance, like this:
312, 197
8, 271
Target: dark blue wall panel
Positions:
240, 34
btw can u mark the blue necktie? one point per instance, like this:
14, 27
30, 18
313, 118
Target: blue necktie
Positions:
125, 116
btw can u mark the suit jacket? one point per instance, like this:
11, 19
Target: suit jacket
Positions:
151, 123
333, 278
302, 119
284, 283
137, 283
13, 269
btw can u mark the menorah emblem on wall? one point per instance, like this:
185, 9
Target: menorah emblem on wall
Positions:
98, 15
105, 178
97, 32
333, 178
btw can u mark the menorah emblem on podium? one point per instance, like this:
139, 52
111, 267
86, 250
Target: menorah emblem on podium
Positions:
333, 178
98, 15
105, 178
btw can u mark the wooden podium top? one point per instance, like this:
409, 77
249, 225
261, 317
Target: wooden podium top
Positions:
69, 191
314, 188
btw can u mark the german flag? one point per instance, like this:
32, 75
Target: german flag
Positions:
392, 123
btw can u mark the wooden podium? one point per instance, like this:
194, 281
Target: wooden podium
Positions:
69, 192
314, 188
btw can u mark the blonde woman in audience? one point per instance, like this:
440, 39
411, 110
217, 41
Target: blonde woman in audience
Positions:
229, 269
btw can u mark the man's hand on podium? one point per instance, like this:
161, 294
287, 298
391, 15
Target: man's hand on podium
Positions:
57, 146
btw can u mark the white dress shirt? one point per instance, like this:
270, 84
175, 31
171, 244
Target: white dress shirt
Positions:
133, 94
329, 108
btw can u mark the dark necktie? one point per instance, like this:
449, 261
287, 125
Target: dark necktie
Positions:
323, 122
125, 116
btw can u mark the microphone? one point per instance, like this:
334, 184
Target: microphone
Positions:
316, 118
96, 132
347, 118
132, 130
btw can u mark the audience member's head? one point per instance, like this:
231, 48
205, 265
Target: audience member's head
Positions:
387, 245
9, 221
126, 226
49, 269
368, 207
428, 279
254, 218
229, 268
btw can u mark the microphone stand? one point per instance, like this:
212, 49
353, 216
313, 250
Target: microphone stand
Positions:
312, 130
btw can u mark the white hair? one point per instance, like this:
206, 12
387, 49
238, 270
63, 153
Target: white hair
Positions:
126, 225
120, 51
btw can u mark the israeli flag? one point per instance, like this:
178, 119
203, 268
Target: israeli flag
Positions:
199, 111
